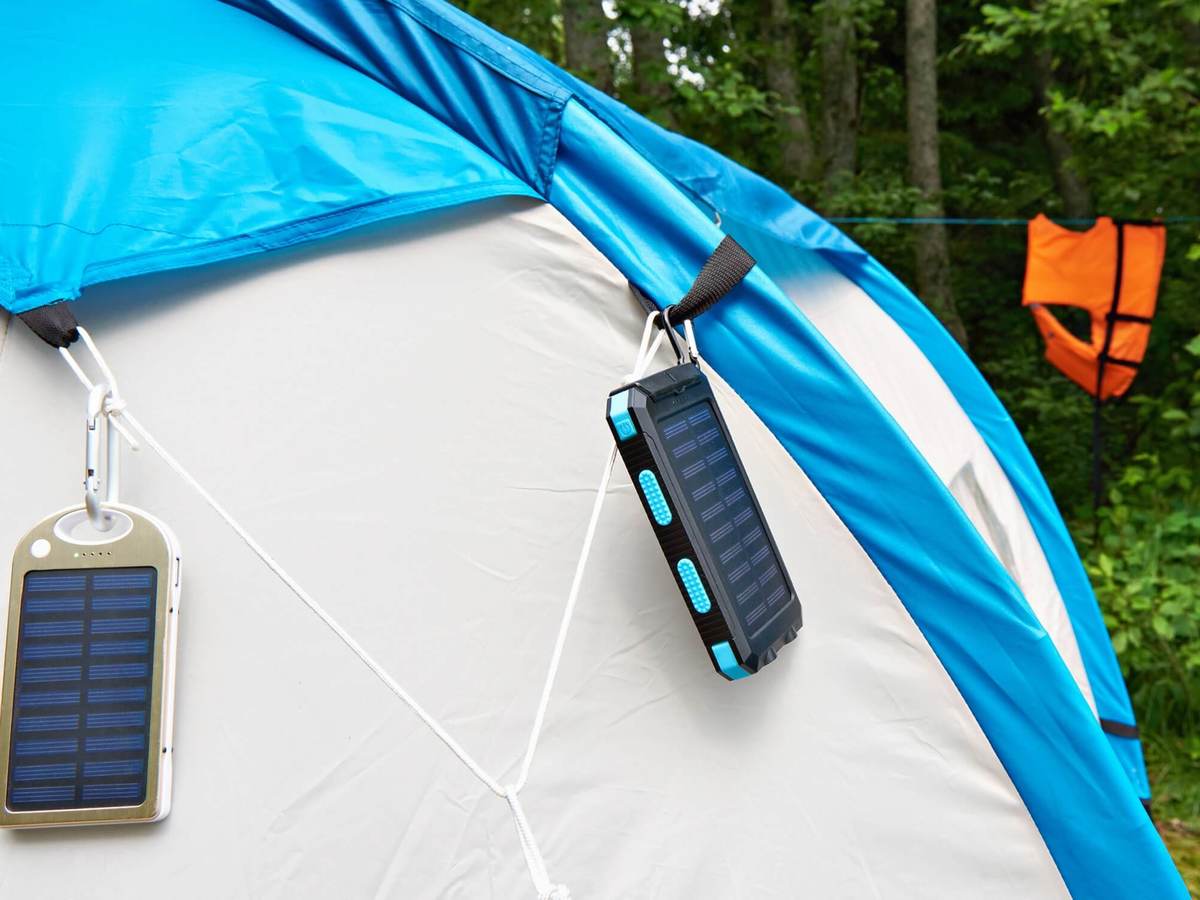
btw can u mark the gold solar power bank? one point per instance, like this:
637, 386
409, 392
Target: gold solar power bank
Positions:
87, 710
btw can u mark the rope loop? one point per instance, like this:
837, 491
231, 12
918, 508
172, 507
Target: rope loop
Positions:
547, 890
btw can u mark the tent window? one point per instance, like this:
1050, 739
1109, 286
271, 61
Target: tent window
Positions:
967, 491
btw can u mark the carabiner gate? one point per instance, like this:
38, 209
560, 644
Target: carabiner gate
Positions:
97, 398
104, 402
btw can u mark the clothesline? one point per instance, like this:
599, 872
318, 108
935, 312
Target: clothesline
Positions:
955, 220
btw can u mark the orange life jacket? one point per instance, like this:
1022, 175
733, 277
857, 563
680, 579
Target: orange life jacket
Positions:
1111, 270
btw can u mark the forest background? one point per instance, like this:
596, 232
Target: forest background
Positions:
919, 108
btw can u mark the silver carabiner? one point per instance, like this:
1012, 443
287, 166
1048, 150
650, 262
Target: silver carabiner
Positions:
97, 397
689, 344
104, 403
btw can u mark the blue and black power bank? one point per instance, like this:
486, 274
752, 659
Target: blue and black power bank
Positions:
683, 463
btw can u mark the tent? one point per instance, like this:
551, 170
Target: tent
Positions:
403, 401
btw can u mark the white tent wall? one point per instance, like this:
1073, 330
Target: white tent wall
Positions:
910, 389
411, 421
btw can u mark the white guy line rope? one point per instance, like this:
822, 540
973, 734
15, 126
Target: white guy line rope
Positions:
357, 649
539, 720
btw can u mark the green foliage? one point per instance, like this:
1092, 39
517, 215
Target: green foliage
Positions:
1174, 764
1145, 560
1126, 92
726, 94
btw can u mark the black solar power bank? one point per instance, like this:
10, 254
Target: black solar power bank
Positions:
695, 492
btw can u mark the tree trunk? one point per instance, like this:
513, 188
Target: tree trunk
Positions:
651, 81
779, 38
1191, 36
585, 38
924, 164
839, 93
1077, 199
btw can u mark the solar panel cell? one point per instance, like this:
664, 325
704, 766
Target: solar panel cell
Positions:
88, 720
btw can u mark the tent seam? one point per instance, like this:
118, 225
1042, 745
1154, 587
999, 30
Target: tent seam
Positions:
519, 74
512, 70
276, 237
441, 25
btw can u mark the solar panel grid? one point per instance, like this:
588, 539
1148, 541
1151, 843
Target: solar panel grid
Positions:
81, 719
716, 491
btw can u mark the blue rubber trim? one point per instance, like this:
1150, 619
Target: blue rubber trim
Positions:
654, 497
619, 413
727, 662
694, 586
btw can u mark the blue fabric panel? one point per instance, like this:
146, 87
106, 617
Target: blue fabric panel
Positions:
1000, 433
141, 135
998, 430
966, 605
436, 56
718, 183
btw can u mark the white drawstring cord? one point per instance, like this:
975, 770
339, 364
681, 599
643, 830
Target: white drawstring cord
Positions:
644, 357
568, 612
547, 890
116, 411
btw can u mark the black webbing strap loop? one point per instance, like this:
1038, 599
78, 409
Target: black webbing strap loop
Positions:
54, 324
1118, 729
1129, 317
719, 275
1115, 361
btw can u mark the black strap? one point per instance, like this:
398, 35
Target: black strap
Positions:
1129, 317
1114, 361
1118, 729
54, 324
721, 273
1097, 402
